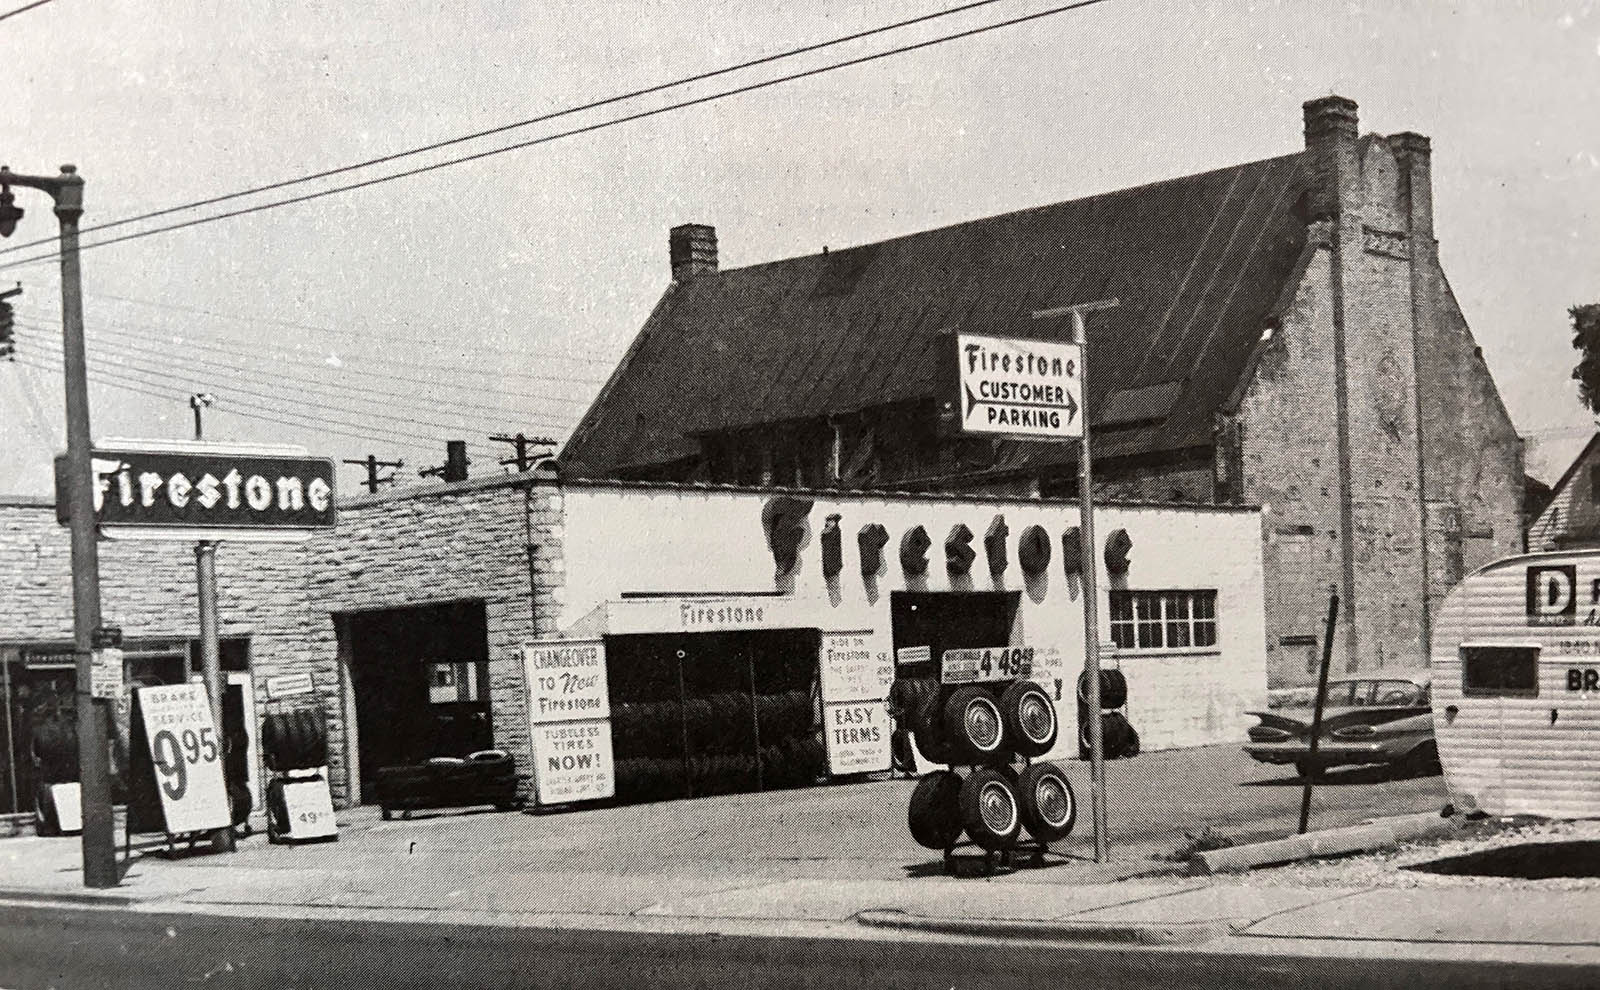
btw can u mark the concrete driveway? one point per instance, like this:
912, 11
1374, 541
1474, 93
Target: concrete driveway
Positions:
856, 830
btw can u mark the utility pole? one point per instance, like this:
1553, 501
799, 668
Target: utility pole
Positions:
8, 347
205, 573
524, 457
99, 828
372, 464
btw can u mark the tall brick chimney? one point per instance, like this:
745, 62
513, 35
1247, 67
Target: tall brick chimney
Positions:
455, 460
1331, 132
693, 249
1414, 152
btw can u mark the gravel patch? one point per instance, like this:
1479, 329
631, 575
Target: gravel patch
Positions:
1388, 868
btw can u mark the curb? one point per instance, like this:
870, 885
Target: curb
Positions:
1177, 933
1380, 833
79, 897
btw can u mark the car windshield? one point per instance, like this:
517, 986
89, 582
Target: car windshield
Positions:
1369, 691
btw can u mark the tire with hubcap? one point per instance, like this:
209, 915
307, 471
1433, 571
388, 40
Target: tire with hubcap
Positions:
1048, 807
990, 810
973, 725
1029, 718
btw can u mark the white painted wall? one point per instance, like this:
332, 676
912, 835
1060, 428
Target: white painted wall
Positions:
620, 538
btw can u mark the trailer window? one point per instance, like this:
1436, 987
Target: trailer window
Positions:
1500, 671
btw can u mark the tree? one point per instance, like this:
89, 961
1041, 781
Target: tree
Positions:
1586, 340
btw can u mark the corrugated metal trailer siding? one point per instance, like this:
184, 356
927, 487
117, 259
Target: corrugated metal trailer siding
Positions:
1505, 755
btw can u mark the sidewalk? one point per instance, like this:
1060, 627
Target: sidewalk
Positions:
376, 877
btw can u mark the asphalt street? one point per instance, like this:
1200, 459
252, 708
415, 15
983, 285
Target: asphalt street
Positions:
44, 948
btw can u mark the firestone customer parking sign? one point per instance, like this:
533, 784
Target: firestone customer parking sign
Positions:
1029, 389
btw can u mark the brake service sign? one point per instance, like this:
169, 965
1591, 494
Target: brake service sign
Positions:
196, 491
187, 755
1031, 389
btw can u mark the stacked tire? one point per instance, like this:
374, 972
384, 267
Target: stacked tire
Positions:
1118, 737
295, 739
987, 727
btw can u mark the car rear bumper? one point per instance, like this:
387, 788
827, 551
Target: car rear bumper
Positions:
1328, 754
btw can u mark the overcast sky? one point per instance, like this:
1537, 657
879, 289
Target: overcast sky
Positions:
493, 297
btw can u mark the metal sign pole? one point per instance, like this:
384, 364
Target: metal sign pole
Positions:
1091, 603
205, 572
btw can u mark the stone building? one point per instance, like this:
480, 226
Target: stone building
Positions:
1285, 337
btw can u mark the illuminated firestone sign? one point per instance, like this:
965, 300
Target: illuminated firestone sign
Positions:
193, 491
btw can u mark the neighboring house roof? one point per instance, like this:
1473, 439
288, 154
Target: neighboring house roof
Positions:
1200, 265
1568, 513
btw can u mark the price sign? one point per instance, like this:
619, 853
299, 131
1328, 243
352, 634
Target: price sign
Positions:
997, 663
186, 753
309, 808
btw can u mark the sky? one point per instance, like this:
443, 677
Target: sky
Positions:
494, 297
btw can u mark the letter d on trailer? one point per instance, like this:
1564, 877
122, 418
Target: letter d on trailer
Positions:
1516, 687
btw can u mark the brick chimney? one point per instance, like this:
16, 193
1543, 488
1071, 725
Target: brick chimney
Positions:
1331, 132
455, 460
693, 249
1414, 152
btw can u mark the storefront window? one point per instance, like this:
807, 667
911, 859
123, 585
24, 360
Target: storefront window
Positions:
1163, 620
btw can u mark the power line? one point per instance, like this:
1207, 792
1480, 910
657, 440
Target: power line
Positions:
540, 119
211, 368
23, 8
559, 135
131, 334
234, 389
365, 334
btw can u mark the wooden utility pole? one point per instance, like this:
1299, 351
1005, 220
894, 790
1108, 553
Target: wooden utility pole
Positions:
525, 457
374, 479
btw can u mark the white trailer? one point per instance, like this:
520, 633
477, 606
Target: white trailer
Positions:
1516, 687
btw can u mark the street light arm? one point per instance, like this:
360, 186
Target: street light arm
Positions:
66, 189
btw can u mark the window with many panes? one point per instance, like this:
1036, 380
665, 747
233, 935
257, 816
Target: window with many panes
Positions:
1163, 620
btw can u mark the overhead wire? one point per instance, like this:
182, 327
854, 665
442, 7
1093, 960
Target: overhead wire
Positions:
215, 345
310, 421
572, 132
388, 333
528, 122
447, 428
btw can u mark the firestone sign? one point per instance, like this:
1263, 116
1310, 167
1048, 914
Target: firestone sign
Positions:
1024, 388
168, 490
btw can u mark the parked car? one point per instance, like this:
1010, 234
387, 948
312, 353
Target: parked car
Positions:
1380, 719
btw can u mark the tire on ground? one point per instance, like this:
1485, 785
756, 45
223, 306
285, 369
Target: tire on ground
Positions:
1029, 716
935, 811
973, 725
1047, 805
990, 811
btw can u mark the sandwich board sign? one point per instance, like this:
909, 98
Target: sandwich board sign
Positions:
185, 756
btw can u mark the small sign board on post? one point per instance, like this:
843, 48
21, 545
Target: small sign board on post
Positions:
1016, 387
105, 663
186, 755
992, 663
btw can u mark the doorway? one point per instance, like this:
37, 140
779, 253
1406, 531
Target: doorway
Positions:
420, 679
697, 714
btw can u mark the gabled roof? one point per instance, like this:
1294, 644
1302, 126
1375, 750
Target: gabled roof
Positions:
1199, 264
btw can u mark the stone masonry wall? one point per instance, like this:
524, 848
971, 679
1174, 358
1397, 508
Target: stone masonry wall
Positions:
463, 542
1291, 468
148, 588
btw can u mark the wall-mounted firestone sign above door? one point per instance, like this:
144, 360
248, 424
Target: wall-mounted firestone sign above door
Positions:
163, 489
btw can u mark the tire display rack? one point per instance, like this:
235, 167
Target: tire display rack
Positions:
1007, 804
294, 742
